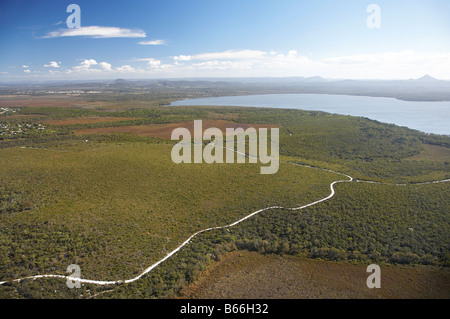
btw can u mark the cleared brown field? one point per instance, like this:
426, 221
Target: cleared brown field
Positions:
39, 102
67, 100
251, 275
88, 120
433, 153
84, 101
165, 130
21, 116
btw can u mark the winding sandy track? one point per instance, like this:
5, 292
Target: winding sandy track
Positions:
392, 184
173, 252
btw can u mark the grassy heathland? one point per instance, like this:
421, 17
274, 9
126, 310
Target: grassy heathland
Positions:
116, 208
97, 188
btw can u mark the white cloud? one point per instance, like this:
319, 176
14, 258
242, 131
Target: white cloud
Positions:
182, 58
223, 65
86, 64
96, 32
154, 63
125, 68
52, 64
385, 65
401, 64
92, 67
105, 66
153, 42
226, 55
143, 59
383, 58
290, 61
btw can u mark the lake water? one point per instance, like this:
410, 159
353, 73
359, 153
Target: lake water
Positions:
429, 117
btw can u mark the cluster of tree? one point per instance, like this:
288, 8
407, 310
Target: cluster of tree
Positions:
363, 222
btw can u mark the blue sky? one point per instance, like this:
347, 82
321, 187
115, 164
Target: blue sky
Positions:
226, 38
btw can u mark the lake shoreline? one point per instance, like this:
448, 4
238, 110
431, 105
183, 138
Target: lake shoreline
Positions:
425, 116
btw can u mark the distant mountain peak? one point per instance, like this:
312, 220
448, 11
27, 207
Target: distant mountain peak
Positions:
120, 81
119, 84
427, 78
315, 79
